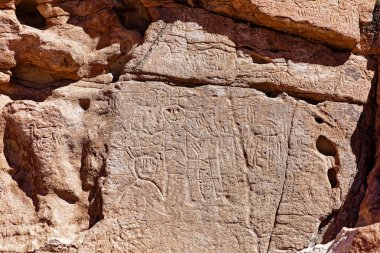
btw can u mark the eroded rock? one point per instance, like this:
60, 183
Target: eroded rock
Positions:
227, 162
219, 135
196, 53
334, 22
72, 40
361, 239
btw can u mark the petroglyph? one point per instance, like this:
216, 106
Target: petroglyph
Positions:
194, 56
213, 134
42, 134
220, 156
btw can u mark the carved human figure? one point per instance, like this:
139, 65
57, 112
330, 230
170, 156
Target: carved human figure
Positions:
142, 200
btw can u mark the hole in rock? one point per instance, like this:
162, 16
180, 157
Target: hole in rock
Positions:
95, 210
95, 214
272, 94
85, 103
134, 16
325, 146
333, 177
28, 14
319, 120
116, 67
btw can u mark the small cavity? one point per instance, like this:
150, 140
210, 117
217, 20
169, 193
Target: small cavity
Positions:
272, 94
85, 103
325, 146
319, 120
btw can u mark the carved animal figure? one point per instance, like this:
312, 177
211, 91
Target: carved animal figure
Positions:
41, 133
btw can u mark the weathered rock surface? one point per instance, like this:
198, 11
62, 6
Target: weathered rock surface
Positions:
243, 56
225, 162
182, 126
361, 239
334, 22
48, 41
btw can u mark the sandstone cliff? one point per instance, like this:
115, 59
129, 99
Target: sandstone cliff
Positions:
189, 126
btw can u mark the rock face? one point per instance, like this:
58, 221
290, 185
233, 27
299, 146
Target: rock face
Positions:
230, 162
49, 41
334, 22
188, 126
362, 239
243, 56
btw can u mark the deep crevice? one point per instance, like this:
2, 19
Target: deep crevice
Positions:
95, 209
363, 146
327, 220
93, 169
332, 175
370, 32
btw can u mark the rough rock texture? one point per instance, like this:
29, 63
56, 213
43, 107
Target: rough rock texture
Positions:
48, 41
369, 211
230, 162
243, 56
331, 21
362, 239
189, 126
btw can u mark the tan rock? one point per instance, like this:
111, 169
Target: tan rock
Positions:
40, 52
357, 240
219, 136
165, 162
43, 145
243, 56
334, 22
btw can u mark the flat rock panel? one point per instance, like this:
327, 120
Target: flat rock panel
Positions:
227, 158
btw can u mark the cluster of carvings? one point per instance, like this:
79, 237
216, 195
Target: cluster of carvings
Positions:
208, 135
